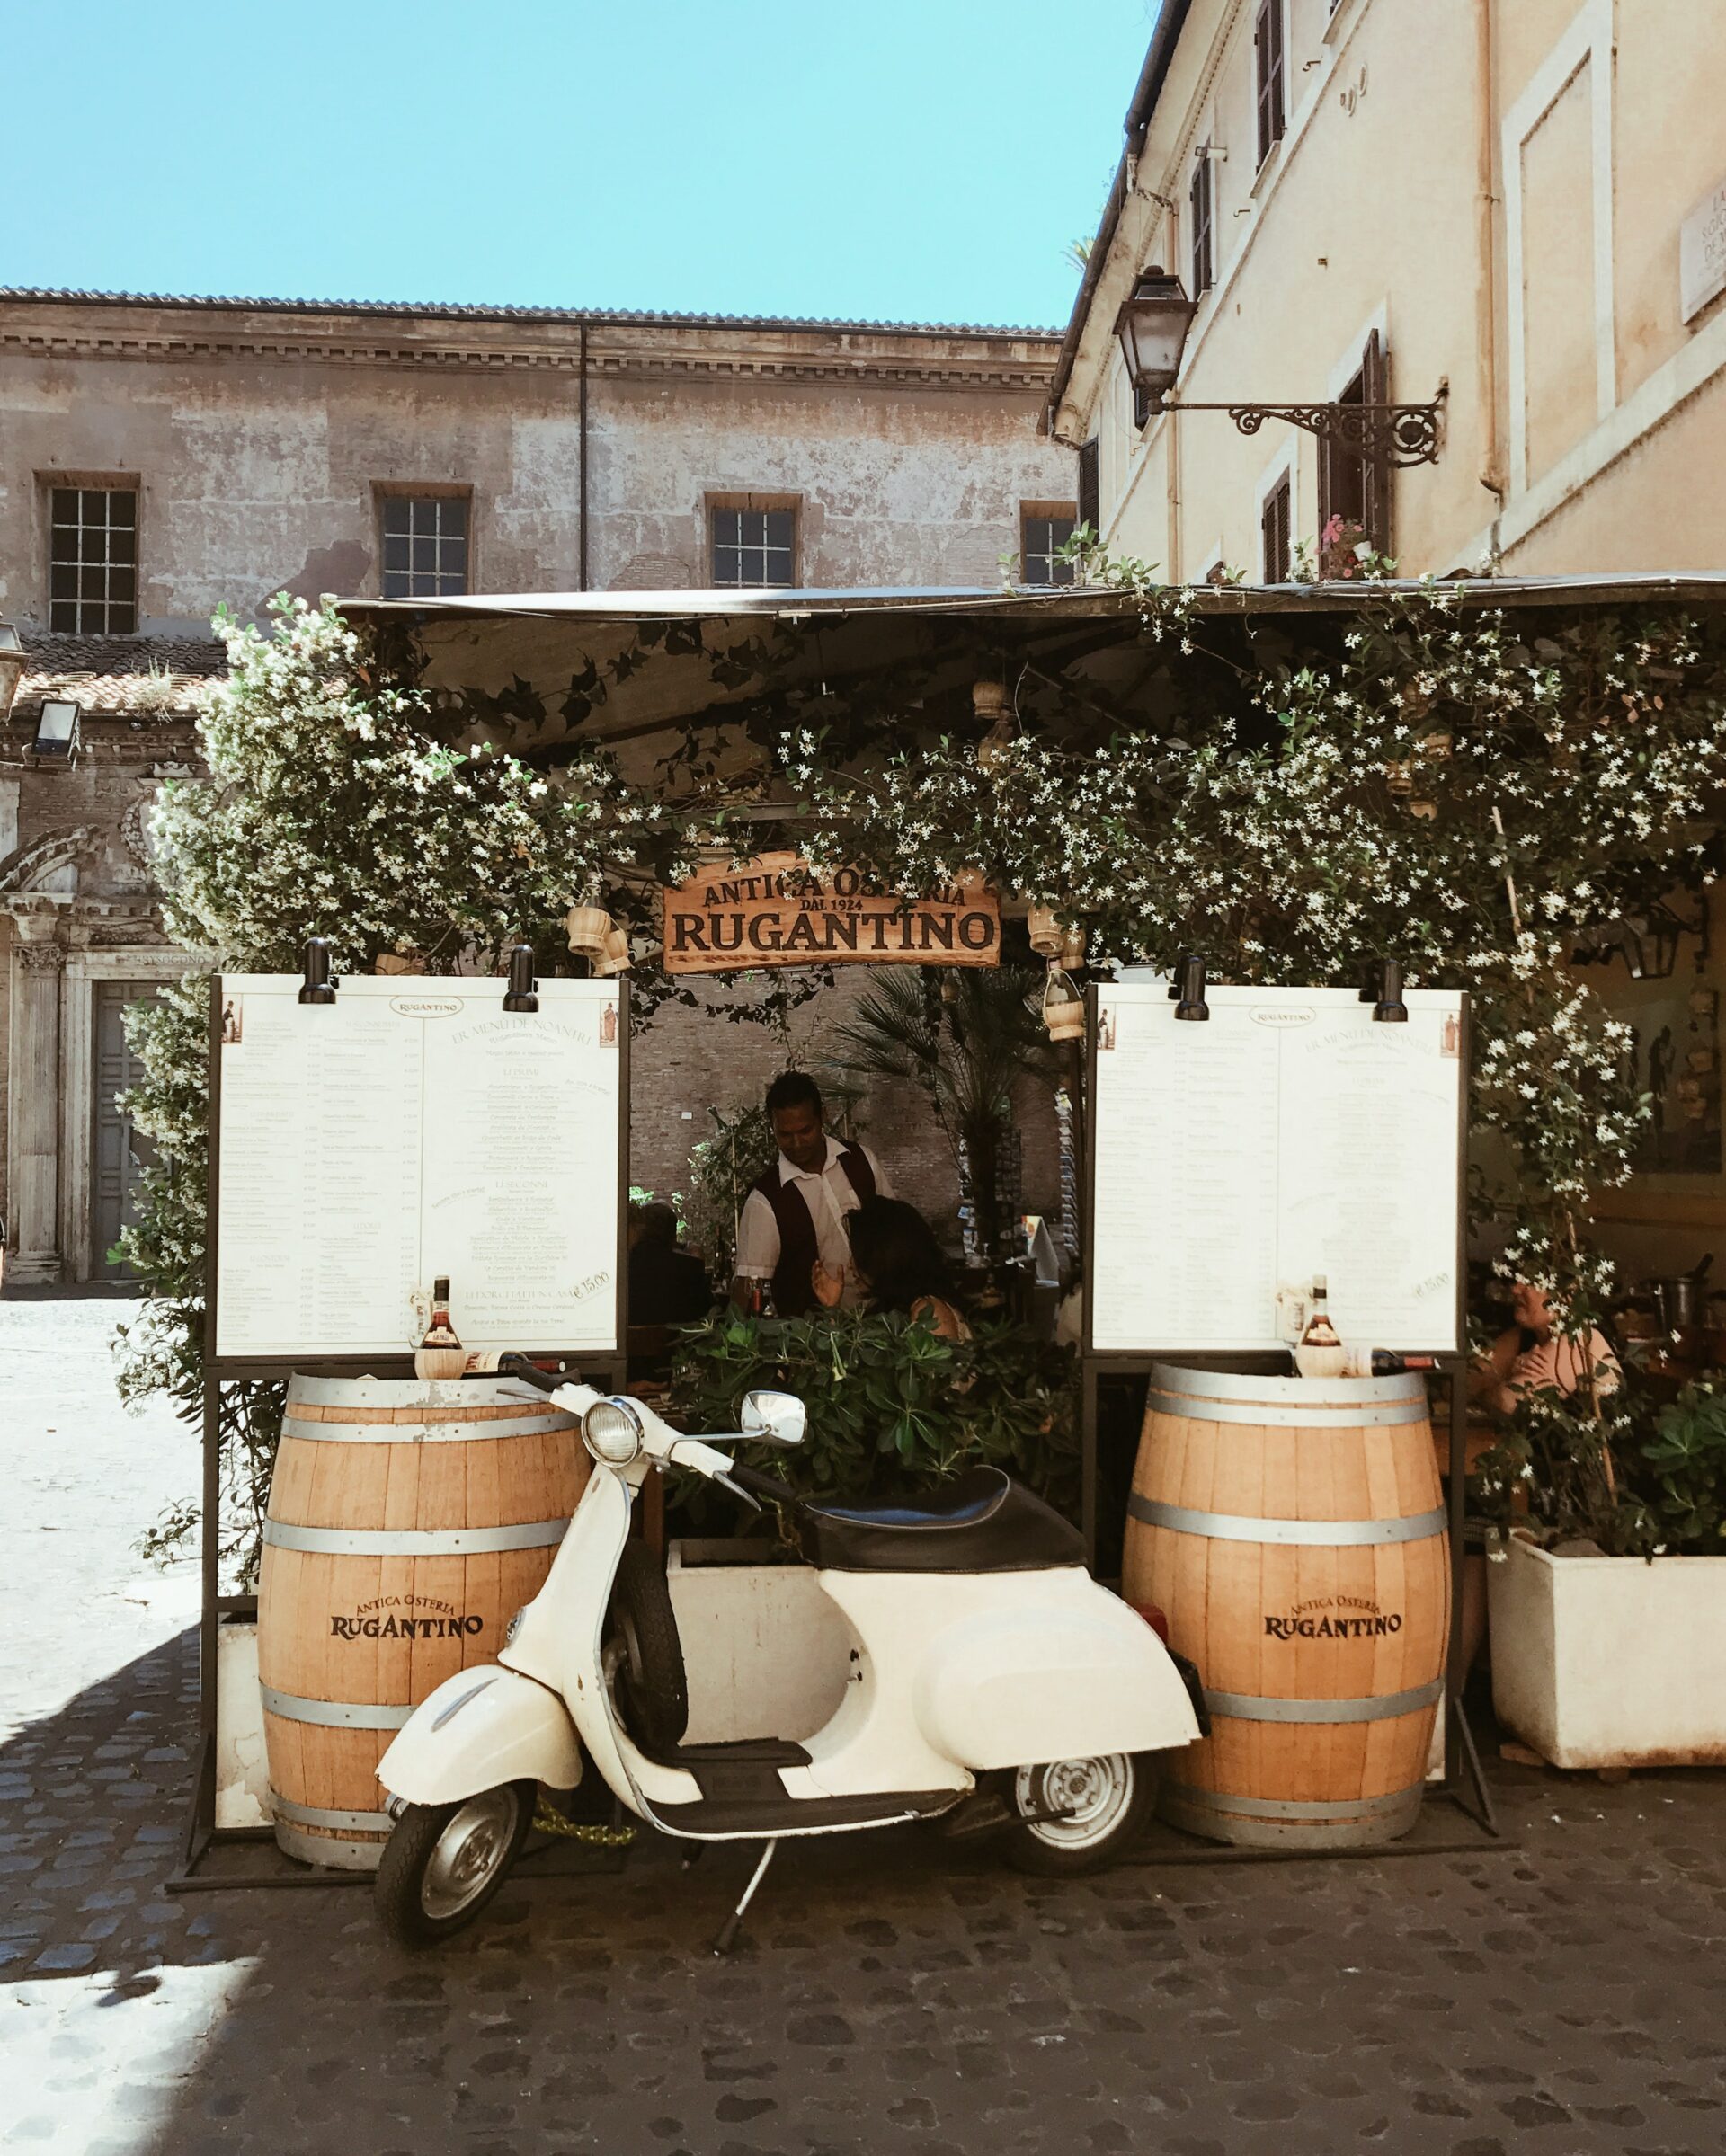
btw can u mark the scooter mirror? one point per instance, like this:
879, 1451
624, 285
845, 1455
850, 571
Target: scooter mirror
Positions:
774, 1418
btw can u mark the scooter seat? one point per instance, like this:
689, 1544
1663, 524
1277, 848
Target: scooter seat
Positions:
980, 1521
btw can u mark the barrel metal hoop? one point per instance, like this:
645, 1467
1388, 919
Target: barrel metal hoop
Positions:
413, 1542
332, 1714
341, 1823
1253, 1707
1294, 1392
1241, 1527
1288, 1415
329, 1852
1288, 1807
399, 1392
422, 1434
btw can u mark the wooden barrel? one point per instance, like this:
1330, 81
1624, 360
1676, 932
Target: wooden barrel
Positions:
408, 1520
1292, 1530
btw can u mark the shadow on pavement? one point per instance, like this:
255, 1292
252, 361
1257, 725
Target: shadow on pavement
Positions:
892, 1991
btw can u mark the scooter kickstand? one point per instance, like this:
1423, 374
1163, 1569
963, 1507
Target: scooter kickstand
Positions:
728, 1931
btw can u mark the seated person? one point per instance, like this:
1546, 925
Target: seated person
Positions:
1533, 1355
898, 1266
666, 1286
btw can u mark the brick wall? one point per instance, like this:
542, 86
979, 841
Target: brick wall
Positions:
683, 1062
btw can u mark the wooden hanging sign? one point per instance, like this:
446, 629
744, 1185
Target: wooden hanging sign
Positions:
776, 910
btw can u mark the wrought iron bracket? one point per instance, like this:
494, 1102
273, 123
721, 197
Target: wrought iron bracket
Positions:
1405, 434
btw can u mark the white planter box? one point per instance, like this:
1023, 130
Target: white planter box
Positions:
242, 1776
767, 1654
1611, 1661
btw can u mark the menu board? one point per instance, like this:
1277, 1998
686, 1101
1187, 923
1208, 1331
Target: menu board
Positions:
410, 1129
1287, 1137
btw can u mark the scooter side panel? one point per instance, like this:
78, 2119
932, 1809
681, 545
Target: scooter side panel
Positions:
481, 1727
1061, 1677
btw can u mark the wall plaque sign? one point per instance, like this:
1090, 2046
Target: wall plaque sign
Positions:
776, 910
1701, 253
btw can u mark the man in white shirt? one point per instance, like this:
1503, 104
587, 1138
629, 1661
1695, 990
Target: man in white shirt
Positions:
794, 1217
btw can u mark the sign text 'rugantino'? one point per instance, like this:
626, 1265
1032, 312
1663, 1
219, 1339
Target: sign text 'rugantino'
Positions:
776, 910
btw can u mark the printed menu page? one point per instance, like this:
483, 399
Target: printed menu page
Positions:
1288, 1136
415, 1128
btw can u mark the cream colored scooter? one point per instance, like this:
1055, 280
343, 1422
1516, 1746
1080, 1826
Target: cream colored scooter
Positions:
988, 1670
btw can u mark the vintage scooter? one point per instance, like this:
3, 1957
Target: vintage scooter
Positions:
990, 1678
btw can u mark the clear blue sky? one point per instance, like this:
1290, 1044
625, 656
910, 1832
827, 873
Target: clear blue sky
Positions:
909, 159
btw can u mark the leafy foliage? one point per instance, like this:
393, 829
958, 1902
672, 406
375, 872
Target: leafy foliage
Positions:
888, 1400
721, 1169
1687, 1454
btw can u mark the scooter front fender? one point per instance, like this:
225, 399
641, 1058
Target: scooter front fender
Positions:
483, 1727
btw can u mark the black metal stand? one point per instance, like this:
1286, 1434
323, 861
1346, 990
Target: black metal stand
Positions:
1464, 1779
201, 1834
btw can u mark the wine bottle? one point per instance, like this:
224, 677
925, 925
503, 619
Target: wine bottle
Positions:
1320, 1331
441, 1353
1320, 1352
1388, 1363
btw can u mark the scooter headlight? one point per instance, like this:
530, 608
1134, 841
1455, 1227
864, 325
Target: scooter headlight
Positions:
612, 1432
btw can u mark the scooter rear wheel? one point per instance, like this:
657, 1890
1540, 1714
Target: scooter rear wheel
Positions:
443, 1863
1102, 1806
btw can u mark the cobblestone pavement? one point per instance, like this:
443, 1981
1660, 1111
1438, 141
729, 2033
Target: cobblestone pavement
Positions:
892, 1994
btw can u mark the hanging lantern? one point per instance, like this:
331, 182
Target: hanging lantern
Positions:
588, 928
1072, 948
1045, 932
614, 955
1063, 1007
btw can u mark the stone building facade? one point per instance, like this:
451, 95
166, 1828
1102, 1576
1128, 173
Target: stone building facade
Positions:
160, 458
1520, 206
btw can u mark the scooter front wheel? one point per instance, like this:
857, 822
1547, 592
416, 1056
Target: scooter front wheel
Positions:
443, 1863
1072, 1816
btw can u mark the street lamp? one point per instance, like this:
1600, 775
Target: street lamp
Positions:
1151, 326
57, 731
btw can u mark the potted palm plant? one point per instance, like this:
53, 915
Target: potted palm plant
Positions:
965, 1035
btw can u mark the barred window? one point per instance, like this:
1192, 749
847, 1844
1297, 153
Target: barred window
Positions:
425, 545
92, 561
754, 545
1043, 533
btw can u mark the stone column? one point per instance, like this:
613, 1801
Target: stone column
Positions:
33, 1107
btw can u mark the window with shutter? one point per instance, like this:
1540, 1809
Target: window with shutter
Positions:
1276, 532
1091, 505
1201, 206
1354, 487
1272, 102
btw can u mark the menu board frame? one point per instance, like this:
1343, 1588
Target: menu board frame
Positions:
218, 1366
1135, 1359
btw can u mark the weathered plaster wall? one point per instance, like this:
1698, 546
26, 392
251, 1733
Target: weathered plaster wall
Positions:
259, 440
260, 444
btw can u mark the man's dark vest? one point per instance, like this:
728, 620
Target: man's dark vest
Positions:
794, 1296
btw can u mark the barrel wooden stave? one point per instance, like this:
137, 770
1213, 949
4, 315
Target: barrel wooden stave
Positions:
381, 1457
1302, 1782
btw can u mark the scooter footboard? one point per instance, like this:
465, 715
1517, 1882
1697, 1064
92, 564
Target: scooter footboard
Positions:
1008, 1688
480, 1728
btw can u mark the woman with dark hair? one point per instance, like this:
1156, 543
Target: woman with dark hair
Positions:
899, 1267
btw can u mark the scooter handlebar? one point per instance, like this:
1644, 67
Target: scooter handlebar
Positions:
518, 1366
